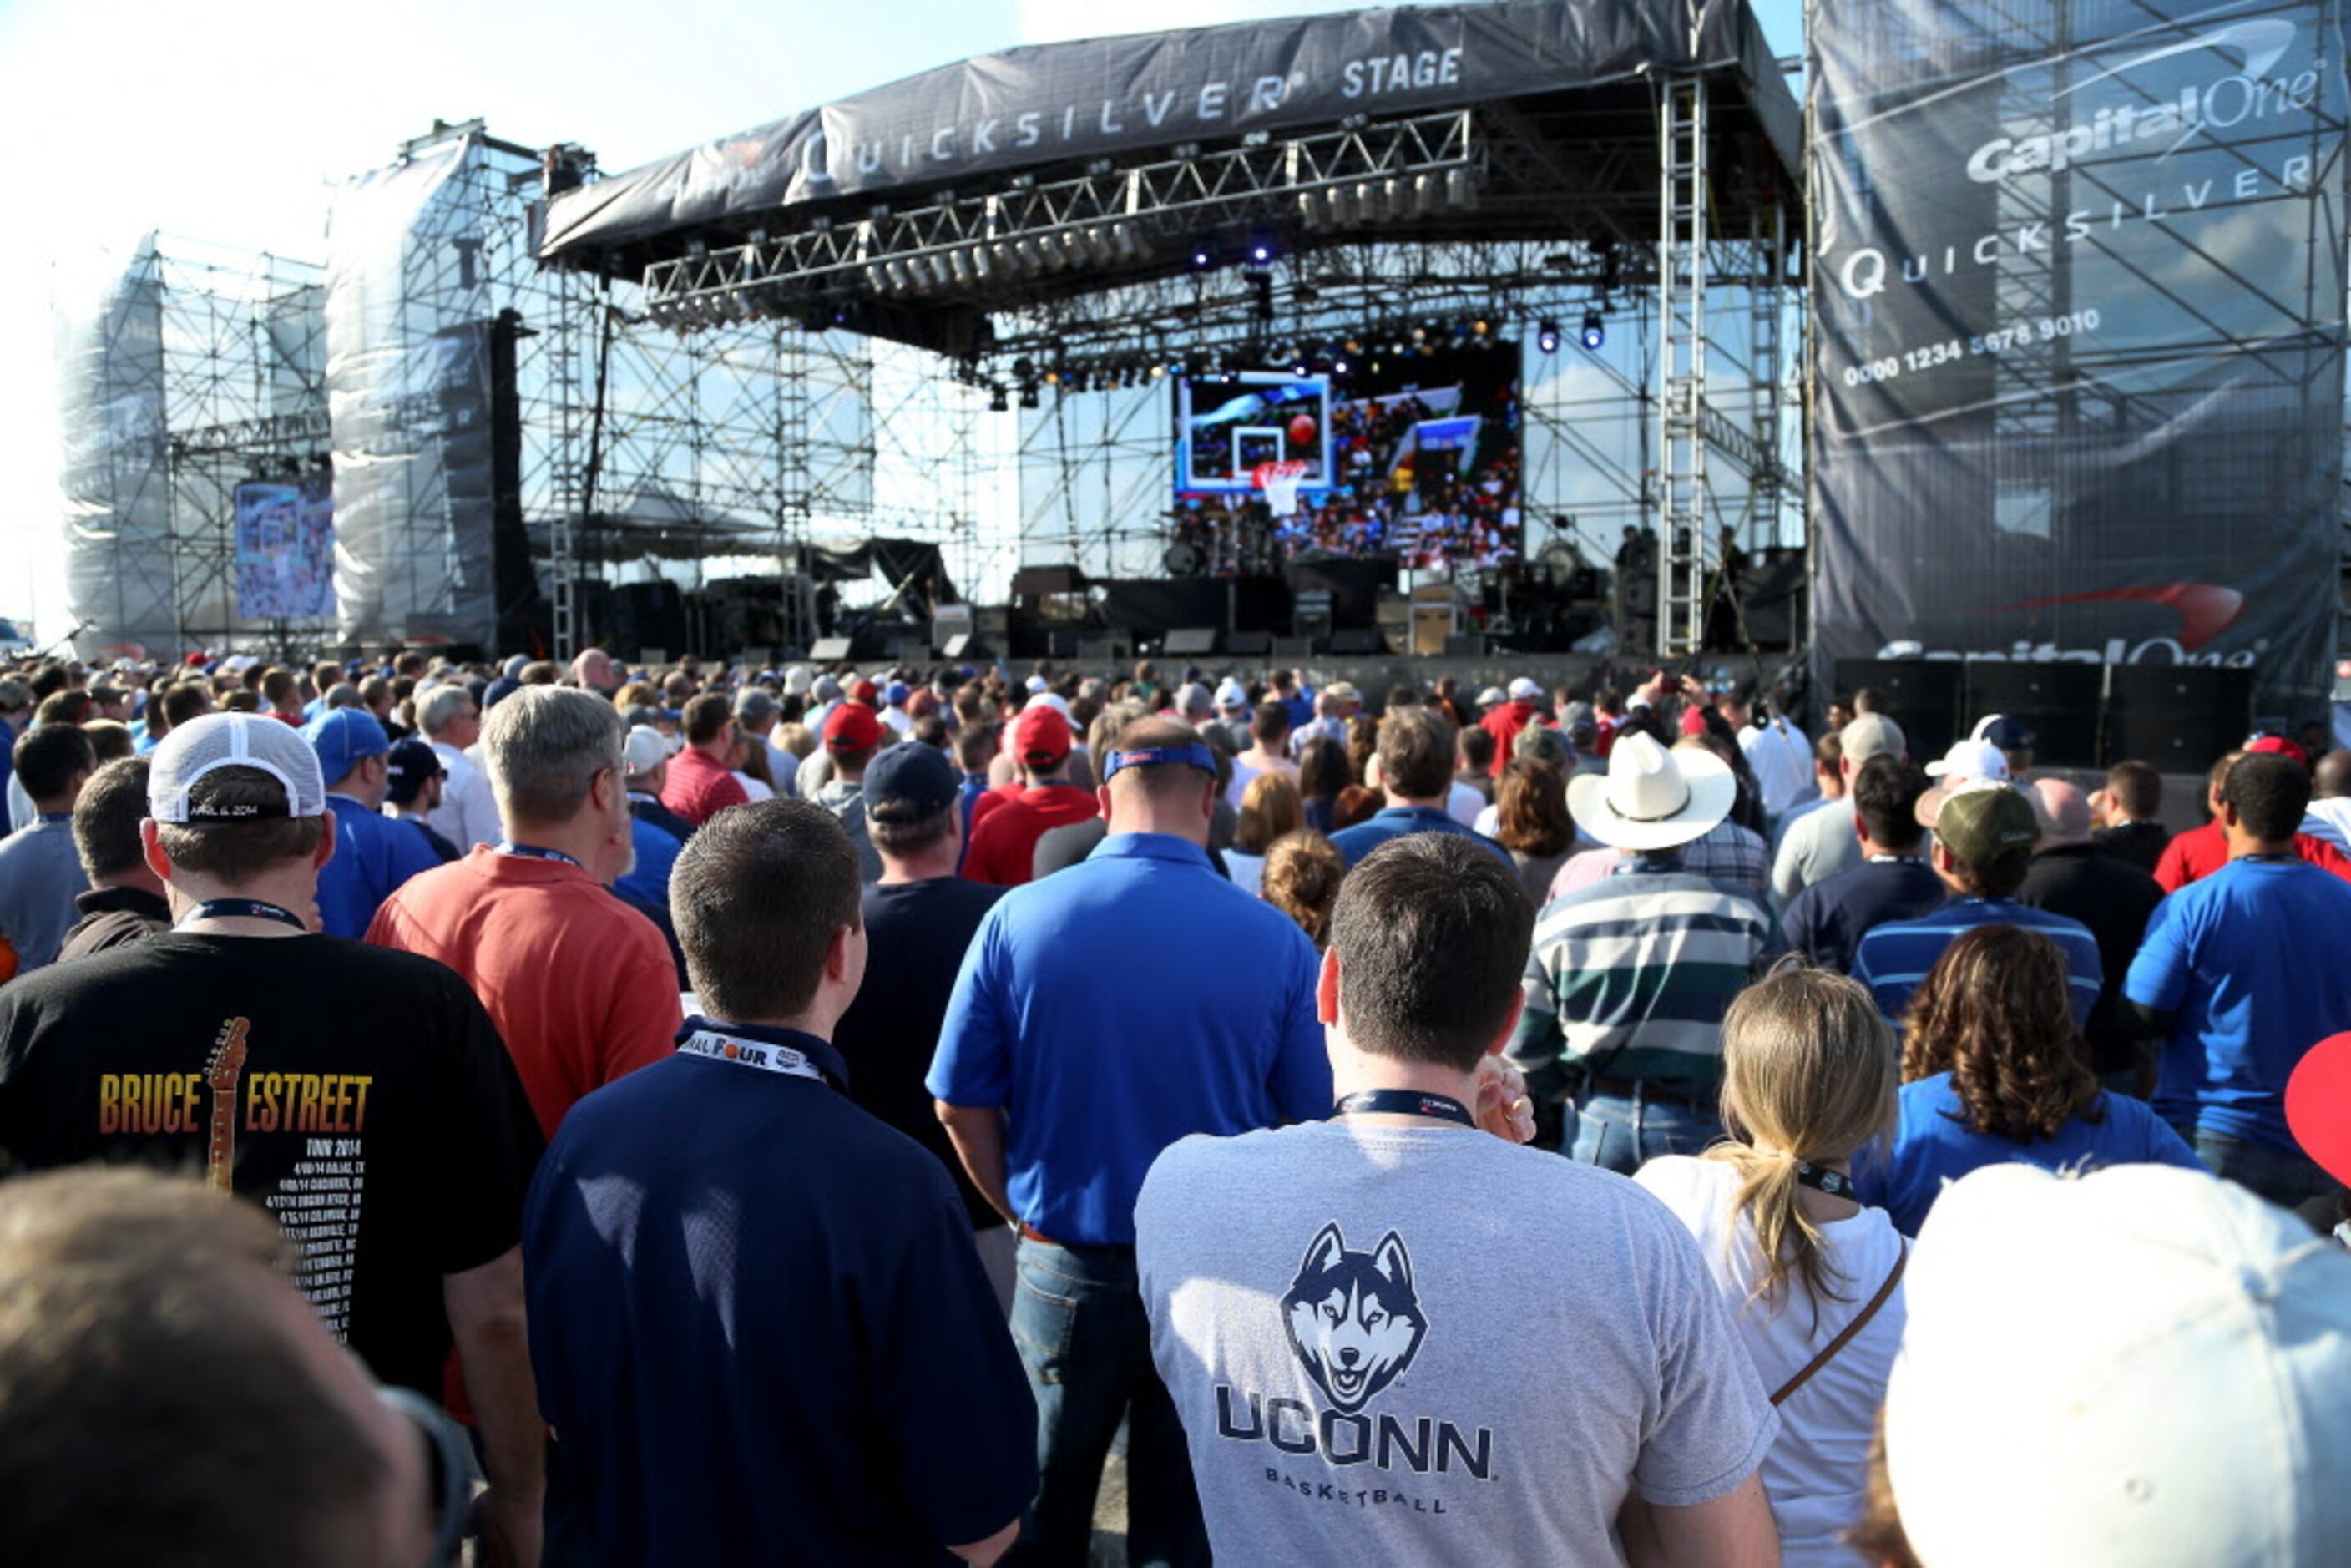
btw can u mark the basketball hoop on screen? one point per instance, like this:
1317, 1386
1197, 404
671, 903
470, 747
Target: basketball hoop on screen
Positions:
1280, 481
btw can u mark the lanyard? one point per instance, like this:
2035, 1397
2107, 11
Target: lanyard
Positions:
533, 853
1820, 1179
1898, 860
1403, 1103
246, 909
758, 1053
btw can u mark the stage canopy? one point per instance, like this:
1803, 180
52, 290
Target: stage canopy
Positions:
1534, 119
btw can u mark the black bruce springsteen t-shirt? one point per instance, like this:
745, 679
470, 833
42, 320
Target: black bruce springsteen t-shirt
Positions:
362, 1097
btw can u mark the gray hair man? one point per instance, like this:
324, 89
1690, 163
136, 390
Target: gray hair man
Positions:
756, 713
1822, 841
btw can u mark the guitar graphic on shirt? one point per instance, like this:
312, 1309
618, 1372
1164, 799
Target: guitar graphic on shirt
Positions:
221, 1073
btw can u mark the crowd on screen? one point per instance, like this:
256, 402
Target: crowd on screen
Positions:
740, 1114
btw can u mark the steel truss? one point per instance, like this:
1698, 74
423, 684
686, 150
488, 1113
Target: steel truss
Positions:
993, 250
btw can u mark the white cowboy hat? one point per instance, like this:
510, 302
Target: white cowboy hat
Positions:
1652, 798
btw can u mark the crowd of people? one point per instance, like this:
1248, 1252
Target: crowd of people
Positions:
745, 1114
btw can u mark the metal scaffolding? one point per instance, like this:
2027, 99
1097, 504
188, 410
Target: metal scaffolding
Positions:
244, 399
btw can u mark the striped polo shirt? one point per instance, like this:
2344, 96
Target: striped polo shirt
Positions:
1629, 977
1893, 959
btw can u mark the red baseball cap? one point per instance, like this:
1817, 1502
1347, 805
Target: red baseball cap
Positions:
1040, 735
851, 727
866, 692
2277, 745
2318, 1105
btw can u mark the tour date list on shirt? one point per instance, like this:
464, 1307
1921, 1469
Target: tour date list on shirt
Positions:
318, 1202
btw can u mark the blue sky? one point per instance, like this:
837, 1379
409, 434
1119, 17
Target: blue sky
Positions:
224, 121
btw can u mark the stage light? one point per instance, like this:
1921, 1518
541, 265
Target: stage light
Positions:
1338, 367
1157, 372
1461, 189
1261, 285
1595, 332
1547, 337
1025, 368
1262, 249
997, 402
1301, 370
1029, 395
1123, 237
1204, 254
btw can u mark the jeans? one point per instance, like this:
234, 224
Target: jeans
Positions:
2286, 1179
1078, 1321
1621, 1133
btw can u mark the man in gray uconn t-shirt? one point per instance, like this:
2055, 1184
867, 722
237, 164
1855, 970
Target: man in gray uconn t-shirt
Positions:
1392, 1337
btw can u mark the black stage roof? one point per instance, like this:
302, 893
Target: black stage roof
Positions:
1563, 94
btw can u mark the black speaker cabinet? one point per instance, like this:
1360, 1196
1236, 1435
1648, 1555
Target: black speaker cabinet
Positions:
1357, 642
1922, 695
1249, 644
2180, 717
2060, 703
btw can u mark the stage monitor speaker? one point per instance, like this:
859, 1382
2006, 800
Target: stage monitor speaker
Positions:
1114, 649
831, 649
2180, 717
1922, 695
1293, 647
1189, 642
910, 650
965, 645
1249, 644
2060, 703
1357, 643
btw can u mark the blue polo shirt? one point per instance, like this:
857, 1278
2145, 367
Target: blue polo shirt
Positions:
760, 1330
2255, 962
1933, 1144
7, 769
373, 856
1113, 1007
1893, 959
1398, 822
657, 851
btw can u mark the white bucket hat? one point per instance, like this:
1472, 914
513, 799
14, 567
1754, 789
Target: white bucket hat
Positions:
1652, 798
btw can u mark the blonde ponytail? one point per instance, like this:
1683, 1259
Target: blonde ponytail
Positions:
1809, 1068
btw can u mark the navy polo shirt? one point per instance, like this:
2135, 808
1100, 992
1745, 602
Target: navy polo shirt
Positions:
1396, 822
760, 1330
1113, 1007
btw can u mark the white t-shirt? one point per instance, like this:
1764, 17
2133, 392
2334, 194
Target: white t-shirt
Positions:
1818, 1468
468, 814
2331, 821
1465, 805
1781, 761
1376, 1362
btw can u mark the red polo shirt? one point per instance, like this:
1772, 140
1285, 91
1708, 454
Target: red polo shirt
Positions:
698, 789
2193, 855
581, 985
1004, 846
1504, 724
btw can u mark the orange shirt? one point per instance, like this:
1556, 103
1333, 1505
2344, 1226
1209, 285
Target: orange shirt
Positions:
581, 985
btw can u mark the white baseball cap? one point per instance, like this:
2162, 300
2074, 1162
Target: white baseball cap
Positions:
1526, 688
796, 681
2144, 1365
1492, 697
1970, 759
216, 740
1232, 697
646, 749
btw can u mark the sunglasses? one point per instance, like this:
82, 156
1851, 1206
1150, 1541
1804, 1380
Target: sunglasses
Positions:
449, 1459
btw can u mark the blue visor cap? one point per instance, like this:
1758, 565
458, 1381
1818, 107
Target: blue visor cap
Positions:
1195, 755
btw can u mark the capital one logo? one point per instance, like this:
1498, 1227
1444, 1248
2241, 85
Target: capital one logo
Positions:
2246, 94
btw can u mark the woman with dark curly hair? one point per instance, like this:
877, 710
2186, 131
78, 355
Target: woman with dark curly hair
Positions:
1994, 1069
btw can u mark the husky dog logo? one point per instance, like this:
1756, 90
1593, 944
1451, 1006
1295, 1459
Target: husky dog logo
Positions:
1353, 1317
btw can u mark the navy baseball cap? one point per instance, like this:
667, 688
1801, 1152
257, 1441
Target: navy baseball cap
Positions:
344, 737
910, 782
408, 765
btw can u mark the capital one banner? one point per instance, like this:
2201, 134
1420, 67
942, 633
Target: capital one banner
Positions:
2078, 358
